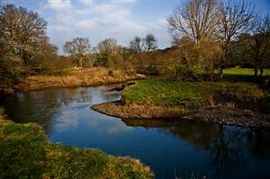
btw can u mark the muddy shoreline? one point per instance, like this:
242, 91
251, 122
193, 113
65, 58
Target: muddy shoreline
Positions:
218, 114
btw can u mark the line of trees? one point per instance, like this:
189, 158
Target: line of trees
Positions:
108, 52
25, 48
207, 35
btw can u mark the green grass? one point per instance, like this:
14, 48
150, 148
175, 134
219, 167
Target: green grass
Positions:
160, 92
26, 153
242, 74
244, 71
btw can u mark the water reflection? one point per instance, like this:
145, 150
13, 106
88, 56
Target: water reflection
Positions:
174, 148
231, 149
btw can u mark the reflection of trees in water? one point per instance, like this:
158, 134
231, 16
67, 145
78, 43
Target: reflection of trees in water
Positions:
226, 151
41, 106
234, 146
110, 96
36, 106
229, 147
259, 142
199, 134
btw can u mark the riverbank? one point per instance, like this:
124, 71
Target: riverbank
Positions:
77, 78
26, 153
239, 104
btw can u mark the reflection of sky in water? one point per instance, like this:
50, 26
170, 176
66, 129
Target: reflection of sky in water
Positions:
75, 109
184, 149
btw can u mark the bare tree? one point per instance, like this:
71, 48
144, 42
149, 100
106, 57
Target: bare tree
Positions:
109, 52
150, 42
197, 19
108, 46
259, 45
236, 18
147, 44
137, 44
78, 48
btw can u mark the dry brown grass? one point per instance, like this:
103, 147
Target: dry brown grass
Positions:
139, 111
133, 114
78, 77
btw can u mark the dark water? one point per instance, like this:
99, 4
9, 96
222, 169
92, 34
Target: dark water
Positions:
176, 149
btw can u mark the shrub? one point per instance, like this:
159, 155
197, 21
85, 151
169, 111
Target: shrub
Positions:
184, 73
151, 70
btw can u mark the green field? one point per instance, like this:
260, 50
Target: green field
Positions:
160, 92
244, 71
26, 153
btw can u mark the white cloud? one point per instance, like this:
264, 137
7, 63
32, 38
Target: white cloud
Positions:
98, 21
87, 2
59, 5
88, 24
7, 2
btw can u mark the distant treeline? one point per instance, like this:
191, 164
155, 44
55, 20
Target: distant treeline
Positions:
208, 36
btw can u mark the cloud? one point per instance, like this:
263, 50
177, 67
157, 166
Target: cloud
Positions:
87, 2
99, 20
58, 5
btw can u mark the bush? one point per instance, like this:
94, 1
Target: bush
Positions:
151, 70
184, 73
110, 73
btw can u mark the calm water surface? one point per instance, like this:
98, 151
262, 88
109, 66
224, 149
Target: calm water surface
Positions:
176, 149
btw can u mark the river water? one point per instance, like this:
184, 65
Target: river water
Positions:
172, 149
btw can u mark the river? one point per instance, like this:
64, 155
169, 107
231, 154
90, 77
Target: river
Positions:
172, 149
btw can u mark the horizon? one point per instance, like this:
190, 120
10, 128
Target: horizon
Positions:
100, 19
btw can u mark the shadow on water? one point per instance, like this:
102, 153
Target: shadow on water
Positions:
230, 148
173, 148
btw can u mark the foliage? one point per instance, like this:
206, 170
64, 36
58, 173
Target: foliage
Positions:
151, 70
26, 153
22, 41
184, 73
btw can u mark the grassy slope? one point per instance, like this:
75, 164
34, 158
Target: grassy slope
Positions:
170, 93
25, 153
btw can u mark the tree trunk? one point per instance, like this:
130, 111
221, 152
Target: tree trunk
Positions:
255, 71
261, 71
223, 60
81, 62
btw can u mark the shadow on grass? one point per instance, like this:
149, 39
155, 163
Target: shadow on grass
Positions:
244, 78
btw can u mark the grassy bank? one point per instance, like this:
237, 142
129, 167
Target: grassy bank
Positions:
77, 78
175, 94
219, 102
26, 153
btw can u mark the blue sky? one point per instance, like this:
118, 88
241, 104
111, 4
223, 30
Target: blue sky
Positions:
100, 19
